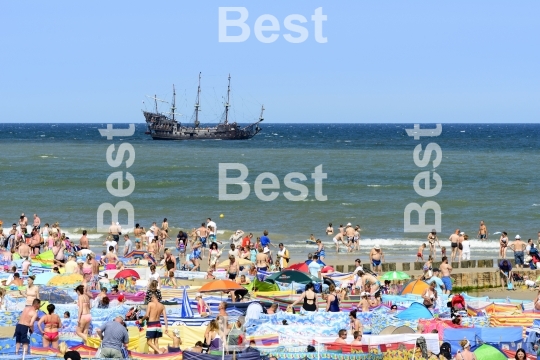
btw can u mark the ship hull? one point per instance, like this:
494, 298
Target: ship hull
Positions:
200, 136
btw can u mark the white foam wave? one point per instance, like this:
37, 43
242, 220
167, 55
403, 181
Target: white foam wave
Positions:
347, 204
404, 243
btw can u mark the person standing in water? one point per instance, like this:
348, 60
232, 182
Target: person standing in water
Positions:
482, 231
330, 230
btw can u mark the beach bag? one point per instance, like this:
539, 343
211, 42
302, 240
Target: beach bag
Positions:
125, 353
510, 286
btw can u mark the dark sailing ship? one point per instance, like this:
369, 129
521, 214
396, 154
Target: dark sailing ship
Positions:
163, 127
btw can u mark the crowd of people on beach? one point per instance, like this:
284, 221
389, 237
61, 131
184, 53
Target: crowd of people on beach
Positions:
247, 255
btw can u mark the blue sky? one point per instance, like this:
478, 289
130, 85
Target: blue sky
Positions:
384, 62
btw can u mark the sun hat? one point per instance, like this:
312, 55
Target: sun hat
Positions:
266, 250
518, 237
198, 295
349, 224
377, 247
176, 332
462, 233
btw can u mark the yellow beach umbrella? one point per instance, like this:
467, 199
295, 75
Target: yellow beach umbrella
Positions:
241, 262
66, 280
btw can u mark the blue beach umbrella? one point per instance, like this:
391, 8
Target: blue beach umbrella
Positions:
186, 312
43, 278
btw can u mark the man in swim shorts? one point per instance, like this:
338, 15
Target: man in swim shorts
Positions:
25, 326
153, 329
482, 231
454, 239
446, 269
376, 258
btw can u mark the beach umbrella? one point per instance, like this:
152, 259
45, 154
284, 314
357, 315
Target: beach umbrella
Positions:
127, 273
299, 267
241, 262
54, 295
395, 275
137, 254
187, 311
44, 278
220, 285
489, 352
66, 280
289, 276
414, 287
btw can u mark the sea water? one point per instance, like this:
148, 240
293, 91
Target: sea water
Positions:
489, 172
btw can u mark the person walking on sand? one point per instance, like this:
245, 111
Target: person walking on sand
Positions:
25, 326
154, 311
482, 231
446, 269
114, 337
454, 239
420, 254
518, 247
376, 257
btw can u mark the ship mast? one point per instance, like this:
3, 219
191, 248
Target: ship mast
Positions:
227, 103
197, 105
173, 107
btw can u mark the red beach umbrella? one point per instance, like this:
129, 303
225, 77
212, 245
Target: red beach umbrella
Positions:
299, 267
127, 273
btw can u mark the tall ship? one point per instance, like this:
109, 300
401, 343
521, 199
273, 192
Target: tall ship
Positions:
164, 126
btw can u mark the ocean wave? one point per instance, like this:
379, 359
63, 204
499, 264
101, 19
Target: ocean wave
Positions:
347, 204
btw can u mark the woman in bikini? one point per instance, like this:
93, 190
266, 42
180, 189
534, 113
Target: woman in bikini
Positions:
503, 243
111, 259
83, 303
32, 291
309, 298
432, 239
430, 295
465, 353
52, 325
356, 324
370, 282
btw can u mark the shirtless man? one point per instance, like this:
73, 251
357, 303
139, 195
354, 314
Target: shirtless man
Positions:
202, 233
25, 326
454, 239
349, 232
357, 338
153, 248
338, 239
446, 269
482, 231
342, 336
518, 247
24, 250
357, 238
84, 240
114, 231
376, 257
261, 260
154, 311
35, 242
364, 302
24, 219
37, 222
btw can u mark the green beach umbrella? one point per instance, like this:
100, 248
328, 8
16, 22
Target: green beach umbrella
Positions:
289, 276
488, 352
395, 275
